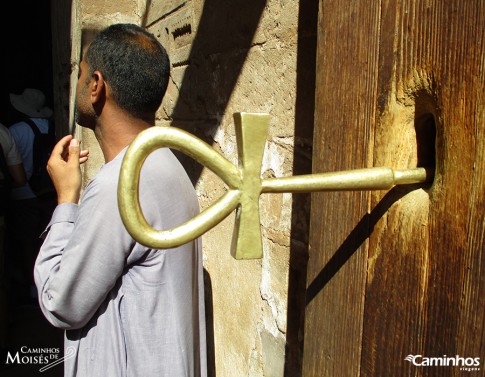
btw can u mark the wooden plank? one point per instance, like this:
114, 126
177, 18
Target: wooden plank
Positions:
414, 70
426, 276
345, 96
456, 323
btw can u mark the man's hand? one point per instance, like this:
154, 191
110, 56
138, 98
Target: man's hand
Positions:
64, 169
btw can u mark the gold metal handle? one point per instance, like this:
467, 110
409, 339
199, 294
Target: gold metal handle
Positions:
244, 185
128, 194
380, 178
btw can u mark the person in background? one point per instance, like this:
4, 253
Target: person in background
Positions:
12, 175
28, 215
13, 163
31, 103
128, 310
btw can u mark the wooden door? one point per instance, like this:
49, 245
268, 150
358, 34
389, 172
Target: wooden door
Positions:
399, 273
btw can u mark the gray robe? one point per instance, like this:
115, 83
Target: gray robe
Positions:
127, 310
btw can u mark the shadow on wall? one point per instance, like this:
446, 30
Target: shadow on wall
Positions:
224, 38
218, 51
302, 164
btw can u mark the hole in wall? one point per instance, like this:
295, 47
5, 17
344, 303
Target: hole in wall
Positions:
425, 124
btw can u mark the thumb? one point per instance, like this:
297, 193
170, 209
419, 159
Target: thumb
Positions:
74, 151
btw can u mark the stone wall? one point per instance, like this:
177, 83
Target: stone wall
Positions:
227, 57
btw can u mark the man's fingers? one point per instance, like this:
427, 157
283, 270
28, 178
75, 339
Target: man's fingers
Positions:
68, 149
83, 156
74, 151
61, 146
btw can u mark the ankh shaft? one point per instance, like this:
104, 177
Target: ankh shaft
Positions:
380, 178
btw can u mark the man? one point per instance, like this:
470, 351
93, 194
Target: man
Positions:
29, 212
128, 310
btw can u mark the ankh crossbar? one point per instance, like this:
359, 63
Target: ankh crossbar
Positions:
244, 185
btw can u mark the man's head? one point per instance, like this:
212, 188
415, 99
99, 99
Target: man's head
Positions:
132, 63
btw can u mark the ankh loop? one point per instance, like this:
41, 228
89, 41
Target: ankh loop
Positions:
244, 185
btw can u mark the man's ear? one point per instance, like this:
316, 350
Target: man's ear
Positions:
97, 87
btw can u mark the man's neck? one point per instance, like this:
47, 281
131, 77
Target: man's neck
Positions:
117, 135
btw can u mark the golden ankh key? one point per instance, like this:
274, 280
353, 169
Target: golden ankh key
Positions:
244, 182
